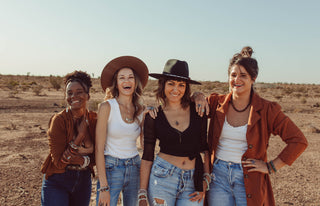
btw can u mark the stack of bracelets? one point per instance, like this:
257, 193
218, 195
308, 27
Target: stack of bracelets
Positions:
73, 147
86, 162
143, 194
104, 189
271, 167
205, 175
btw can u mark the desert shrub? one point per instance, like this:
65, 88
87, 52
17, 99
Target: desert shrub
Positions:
94, 105
288, 90
55, 82
303, 100
316, 105
25, 87
301, 89
298, 95
37, 90
12, 84
278, 97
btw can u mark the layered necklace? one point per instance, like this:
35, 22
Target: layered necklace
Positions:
129, 120
240, 110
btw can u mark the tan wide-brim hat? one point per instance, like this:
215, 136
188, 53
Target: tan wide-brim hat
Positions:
134, 63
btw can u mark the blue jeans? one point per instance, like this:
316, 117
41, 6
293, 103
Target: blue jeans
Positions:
69, 188
171, 184
227, 185
122, 175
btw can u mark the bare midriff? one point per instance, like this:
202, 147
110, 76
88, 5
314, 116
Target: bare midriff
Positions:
182, 162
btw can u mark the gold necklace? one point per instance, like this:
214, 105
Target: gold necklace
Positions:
129, 120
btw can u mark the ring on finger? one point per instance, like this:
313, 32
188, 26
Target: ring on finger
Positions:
202, 110
199, 105
197, 193
69, 157
252, 161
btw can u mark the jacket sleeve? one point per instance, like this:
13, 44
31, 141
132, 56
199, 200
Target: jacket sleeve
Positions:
283, 126
57, 135
149, 138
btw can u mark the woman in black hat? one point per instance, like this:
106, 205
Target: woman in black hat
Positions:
118, 127
177, 176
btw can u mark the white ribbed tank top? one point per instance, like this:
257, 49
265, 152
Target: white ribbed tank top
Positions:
121, 136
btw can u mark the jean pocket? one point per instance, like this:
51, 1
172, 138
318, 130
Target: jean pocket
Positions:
110, 164
160, 171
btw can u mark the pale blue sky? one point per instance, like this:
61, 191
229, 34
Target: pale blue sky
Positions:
56, 37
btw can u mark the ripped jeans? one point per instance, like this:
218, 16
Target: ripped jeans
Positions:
170, 184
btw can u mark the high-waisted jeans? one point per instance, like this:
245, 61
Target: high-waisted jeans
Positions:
171, 184
122, 175
69, 188
227, 185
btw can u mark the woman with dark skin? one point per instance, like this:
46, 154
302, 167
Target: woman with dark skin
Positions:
71, 134
241, 124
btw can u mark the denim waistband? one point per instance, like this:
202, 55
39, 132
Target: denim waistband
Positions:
173, 168
118, 162
216, 161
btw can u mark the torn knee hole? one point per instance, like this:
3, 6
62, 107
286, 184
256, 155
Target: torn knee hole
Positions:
159, 201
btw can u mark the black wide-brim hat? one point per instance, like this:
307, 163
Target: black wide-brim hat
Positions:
134, 63
177, 70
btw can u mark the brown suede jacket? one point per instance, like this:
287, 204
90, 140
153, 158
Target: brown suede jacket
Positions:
60, 133
265, 118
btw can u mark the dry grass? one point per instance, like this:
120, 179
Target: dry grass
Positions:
25, 115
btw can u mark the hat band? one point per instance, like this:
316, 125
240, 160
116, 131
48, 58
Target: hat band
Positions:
176, 76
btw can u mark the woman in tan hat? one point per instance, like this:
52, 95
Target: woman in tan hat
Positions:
71, 135
178, 175
118, 127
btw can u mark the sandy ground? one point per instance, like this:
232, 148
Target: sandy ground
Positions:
24, 146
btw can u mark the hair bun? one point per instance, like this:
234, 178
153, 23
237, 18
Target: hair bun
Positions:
246, 51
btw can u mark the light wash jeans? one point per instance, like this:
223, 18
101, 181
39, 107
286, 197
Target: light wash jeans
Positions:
227, 185
171, 184
66, 189
122, 175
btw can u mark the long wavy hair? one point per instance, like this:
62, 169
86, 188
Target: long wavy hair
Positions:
113, 92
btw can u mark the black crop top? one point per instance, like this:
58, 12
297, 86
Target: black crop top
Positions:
188, 143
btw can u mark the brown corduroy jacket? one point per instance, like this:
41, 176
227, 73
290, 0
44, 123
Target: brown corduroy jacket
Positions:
265, 118
60, 133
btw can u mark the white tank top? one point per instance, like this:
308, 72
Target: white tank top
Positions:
233, 143
121, 136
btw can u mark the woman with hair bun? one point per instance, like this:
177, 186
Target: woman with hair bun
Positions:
241, 123
71, 134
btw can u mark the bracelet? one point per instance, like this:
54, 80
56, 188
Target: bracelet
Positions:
207, 175
269, 168
104, 189
86, 162
73, 145
142, 192
208, 186
272, 166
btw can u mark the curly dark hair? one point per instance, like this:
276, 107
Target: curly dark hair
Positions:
161, 97
79, 76
244, 59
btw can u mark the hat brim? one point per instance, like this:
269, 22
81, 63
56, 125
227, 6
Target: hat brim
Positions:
134, 63
175, 77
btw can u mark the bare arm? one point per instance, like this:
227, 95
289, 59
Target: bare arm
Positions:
145, 170
101, 135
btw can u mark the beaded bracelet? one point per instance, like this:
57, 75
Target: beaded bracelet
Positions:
104, 189
207, 175
208, 186
73, 145
269, 168
86, 162
272, 166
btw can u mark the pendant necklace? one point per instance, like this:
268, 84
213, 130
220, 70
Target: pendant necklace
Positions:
129, 120
242, 110
177, 123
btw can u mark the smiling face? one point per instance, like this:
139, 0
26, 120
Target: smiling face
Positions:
174, 90
126, 81
240, 82
76, 96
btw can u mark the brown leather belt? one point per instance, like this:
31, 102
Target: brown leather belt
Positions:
76, 167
